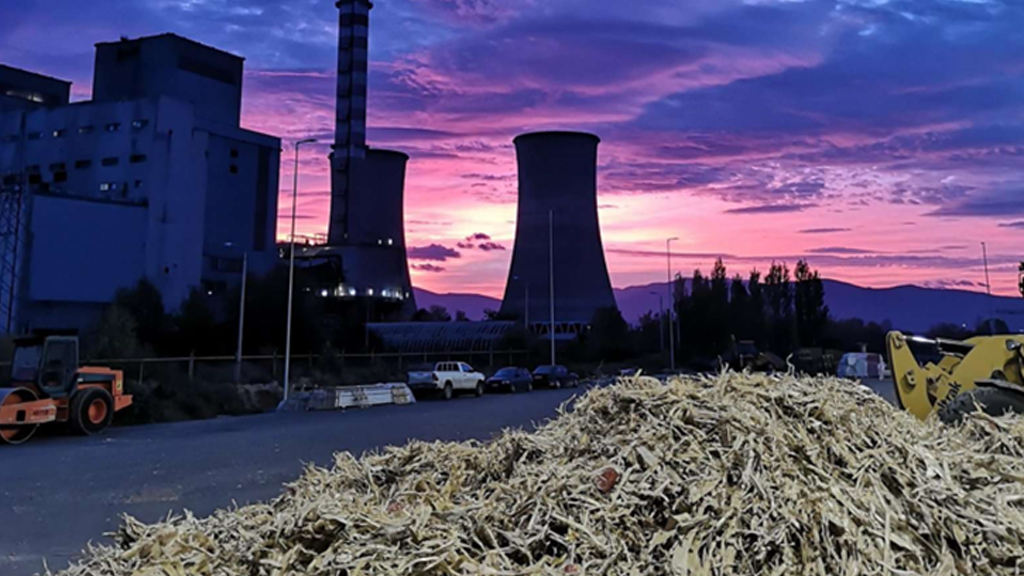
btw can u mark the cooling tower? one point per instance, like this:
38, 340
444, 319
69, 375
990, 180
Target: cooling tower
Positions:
374, 257
558, 177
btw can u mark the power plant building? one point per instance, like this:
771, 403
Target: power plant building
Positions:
366, 230
557, 216
153, 178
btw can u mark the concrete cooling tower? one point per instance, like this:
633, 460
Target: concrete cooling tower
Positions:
558, 177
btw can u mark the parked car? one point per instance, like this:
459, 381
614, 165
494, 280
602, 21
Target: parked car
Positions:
555, 377
447, 379
511, 379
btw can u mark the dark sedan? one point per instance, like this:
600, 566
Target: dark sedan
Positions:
555, 377
511, 379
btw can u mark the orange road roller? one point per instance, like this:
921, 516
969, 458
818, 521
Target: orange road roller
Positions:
47, 385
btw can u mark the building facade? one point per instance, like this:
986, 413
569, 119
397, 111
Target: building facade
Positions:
153, 178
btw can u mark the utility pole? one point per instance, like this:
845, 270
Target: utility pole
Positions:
241, 318
671, 306
551, 278
291, 272
988, 290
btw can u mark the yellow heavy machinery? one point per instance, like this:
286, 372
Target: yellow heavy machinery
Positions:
985, 372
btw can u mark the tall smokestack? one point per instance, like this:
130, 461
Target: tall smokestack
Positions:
350, 120
558, 177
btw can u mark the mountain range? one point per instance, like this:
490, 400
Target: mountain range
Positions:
909, 308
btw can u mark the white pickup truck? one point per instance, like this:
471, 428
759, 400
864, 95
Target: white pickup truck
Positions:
448, 378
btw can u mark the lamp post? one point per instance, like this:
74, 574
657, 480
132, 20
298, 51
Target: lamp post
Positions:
551, 279
291, 270
661, 320
241, 313
671, 306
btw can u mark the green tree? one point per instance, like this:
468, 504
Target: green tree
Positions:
145, 305
739, 309
756, 310
115, 336
718, 309
811, 310
778, 290
434, 314
608, 338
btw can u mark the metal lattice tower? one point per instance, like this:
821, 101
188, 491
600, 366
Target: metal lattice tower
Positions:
12, 245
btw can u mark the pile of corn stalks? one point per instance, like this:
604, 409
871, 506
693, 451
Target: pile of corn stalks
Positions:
733, 474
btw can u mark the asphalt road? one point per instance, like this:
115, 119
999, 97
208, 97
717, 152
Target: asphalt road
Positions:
60, 492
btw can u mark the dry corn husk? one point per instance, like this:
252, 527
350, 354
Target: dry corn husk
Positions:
731, 474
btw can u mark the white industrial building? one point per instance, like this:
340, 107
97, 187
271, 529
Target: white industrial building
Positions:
152, 178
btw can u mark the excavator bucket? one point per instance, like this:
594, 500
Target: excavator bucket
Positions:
963, 366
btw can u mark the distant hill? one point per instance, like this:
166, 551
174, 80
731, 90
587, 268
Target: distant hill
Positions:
909, 308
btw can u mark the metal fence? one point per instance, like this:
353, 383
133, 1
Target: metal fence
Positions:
269, 368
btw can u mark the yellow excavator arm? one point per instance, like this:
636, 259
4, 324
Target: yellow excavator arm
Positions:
923, 389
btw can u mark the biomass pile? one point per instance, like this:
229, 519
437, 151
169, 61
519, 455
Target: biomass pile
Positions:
732, 474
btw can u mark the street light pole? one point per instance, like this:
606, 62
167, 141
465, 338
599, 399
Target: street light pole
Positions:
551, 278
291, 271
671, 306
241, 318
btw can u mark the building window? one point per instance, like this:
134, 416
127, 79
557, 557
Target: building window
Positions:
112, 161
234, 169
85, 129
234, 152
60, 133
139, 124
113, 127
82, 164
35, 178
108, 187
138, 184
35, 135
57, 167
138, 158
60, 176
33, 169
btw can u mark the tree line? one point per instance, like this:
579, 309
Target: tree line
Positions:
779, 312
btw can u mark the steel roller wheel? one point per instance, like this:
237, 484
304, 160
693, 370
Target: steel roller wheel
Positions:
17, 434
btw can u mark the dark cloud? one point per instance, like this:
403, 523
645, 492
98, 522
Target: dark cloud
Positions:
1018, 224
434, 252
477, 237
491, 247
824, 230
428, 268
985, 206
770, 209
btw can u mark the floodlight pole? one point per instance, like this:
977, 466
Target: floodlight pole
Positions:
291, 271
671, 306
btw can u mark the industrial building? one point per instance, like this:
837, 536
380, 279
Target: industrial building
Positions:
153, 178
557, 229
366, 236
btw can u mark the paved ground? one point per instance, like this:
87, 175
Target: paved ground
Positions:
58, 493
